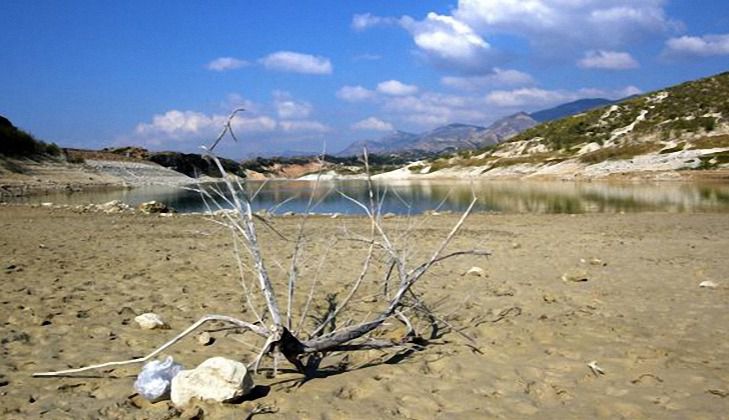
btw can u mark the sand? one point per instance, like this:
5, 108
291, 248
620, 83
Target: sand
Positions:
72, 283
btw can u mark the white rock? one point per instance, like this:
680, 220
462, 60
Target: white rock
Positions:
204, 338
150, 321
708, 284
218, 379
475, 271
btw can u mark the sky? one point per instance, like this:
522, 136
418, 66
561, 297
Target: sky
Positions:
316, 75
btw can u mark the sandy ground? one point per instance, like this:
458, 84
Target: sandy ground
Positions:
73, 282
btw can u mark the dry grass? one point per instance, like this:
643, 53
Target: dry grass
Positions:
620, 152
710, 142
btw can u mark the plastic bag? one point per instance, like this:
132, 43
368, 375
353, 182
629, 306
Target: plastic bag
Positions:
153, 382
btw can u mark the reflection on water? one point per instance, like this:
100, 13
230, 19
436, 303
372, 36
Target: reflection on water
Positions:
403, 197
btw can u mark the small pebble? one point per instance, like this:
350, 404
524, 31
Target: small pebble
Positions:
204, 339
475, 271
575, 276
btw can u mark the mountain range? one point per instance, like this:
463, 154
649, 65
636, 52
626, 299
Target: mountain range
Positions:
454, 137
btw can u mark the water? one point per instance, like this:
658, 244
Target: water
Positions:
414, 197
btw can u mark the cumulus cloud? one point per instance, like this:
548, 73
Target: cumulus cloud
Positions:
289, 108
608, 60
698, 46
553, 22
226, 63
396, 88
459, 41
448, 41
294, 62
374, 124
497, 78
355, 94
179, 125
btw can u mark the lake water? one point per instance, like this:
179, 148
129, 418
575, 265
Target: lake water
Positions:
414, 197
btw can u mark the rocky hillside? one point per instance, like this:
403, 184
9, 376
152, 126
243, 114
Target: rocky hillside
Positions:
396, 141
678, 128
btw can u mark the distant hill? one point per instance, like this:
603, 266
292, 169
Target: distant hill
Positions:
571, 108
390, 143
502, 129
446, 138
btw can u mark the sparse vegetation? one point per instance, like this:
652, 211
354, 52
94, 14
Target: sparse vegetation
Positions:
714, 160
710, 142
15, 142
627, 151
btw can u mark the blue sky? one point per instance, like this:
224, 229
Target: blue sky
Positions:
164, 74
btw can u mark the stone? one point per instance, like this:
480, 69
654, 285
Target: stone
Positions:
575, 276
475, 271
150, 321
154, 207
708, 284
204, 339
217, 379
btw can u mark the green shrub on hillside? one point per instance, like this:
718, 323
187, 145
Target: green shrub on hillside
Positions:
17, 143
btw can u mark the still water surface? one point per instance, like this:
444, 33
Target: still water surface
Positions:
414, 197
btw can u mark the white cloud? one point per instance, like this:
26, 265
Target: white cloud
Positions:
226, 63
303, 126
625, 92
364, 21
447, 41
554, 22
396, 88
431, 109
184, 125
289, 108
608, 60
295, 62
535, 98
374, 124
499, 77
703, 46
253, 124
355, 94
527, 97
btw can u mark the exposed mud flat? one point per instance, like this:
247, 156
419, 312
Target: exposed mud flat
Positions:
72, 284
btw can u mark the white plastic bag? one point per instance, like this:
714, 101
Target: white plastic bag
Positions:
153, 382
